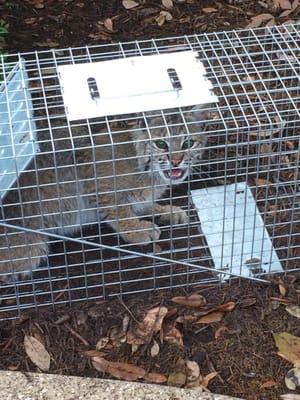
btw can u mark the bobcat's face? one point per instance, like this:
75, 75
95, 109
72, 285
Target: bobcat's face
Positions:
173, 150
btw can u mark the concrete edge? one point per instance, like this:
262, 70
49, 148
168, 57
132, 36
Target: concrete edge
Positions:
33, 386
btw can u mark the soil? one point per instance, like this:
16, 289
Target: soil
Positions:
240, 347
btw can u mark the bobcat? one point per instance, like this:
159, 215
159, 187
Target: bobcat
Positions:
113, 177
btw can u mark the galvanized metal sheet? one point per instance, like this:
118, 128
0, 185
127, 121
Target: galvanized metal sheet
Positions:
234, 230
134, 84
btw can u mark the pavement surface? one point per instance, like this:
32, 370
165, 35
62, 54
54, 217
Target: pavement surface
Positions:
21, 386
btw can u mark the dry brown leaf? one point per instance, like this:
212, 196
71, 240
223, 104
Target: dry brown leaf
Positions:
102, 343
285, 4
154, 351
128, 372
177, 379
153, 320
160, 19
151, 324
209, 10
295, 4
167, 4
288, 346
94, 353
173, 335
227, 307
193, 370
212, 317
259, 19
153, 377
100, 364
129, 4
194, 300
269, 384
134, 340
293, 310
290, 396
285, 13
250, 301
108, 23
37, 352
219, 332
282, 287
205, 381
119, 370
48, 43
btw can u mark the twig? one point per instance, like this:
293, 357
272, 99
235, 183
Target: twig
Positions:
128, 310
77, 335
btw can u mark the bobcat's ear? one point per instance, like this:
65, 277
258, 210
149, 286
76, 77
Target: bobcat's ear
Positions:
198, 113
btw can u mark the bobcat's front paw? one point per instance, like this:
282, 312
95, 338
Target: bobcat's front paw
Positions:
145, 233
173, 215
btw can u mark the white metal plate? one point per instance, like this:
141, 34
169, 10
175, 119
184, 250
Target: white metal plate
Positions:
234, 230
134, 84
17, 129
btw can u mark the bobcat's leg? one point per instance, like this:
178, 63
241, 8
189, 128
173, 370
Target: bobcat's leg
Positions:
133, 230
20, 252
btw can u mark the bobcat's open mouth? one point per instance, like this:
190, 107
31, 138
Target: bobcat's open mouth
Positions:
174, 173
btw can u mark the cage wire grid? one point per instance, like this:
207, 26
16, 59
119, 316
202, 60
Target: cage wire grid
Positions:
251, 136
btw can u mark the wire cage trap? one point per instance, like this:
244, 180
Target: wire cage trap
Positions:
163, 174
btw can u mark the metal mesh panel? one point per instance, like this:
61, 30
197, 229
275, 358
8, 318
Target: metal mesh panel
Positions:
106, 205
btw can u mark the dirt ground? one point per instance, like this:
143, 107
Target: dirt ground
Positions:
236, 340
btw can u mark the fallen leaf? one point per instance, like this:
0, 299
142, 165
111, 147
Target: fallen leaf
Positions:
285, 4
290, 396
285, 13
173, 335
269, 384
153, 377
151, 324
177, 379
219, 332
209, 10
292, 379
100, 364
154, 351
227, 307
214, 316
288, 346
37, 352
108, 24
295, 4
205, 381
194, 300
167, 15
282, 288
250, 301
102, 343
153, 320
193, 370
167, 4
93, 353
129, 4
119, 370
293, 310
258, 20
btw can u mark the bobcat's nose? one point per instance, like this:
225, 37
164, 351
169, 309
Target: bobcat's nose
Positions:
176, 161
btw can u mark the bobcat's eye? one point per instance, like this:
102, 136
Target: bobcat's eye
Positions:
161, 144
188, 143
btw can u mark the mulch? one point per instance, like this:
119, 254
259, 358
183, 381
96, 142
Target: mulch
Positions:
239, 347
